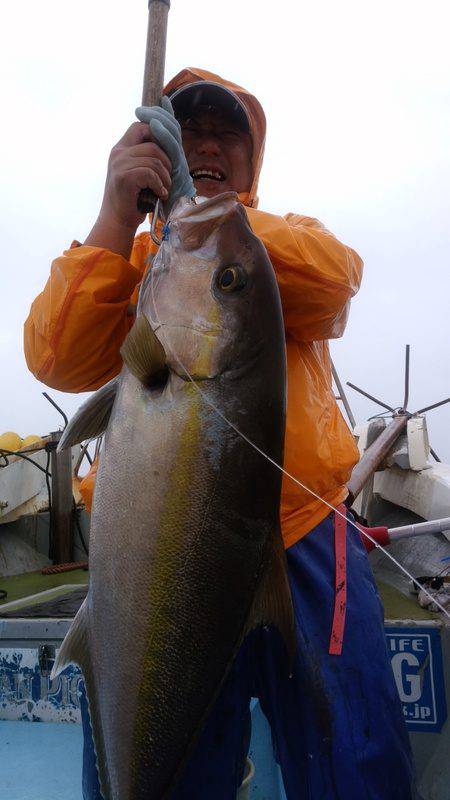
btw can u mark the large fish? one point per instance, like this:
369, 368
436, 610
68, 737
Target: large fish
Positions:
186, 553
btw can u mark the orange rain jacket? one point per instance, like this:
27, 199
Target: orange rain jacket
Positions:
78, 323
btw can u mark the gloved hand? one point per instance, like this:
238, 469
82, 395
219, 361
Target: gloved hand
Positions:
167, 133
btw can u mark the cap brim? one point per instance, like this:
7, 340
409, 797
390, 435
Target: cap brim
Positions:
187, 99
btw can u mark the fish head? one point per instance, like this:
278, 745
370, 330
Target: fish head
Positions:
211, 290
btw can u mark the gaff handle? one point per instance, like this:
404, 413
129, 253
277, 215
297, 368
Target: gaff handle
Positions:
146, 201
155, 56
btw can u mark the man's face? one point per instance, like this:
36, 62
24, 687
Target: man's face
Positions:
218, 153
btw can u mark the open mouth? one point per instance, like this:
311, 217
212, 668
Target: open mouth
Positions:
208, 175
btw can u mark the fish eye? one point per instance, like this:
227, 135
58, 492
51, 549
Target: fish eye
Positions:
231, 278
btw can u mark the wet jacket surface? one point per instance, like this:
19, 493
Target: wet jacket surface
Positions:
77, 325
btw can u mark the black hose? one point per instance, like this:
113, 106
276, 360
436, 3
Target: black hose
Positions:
21, 455
48, 475
49, 493
77, 523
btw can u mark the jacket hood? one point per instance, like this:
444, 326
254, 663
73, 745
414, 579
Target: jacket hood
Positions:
255, 114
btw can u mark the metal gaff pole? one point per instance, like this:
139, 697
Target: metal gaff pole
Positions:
374, 455
155, 57
406, 397
155, 53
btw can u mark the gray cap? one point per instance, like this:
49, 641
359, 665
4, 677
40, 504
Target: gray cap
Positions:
187, 99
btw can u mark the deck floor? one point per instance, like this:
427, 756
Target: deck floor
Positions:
29, 583
40, 760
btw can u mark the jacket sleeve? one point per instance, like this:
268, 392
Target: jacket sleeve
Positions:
316, 274
76, 326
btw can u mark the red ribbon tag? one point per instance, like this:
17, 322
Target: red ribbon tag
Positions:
340, 582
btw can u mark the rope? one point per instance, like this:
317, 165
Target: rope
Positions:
57, 568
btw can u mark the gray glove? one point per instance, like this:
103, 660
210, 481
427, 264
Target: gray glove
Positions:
167, 132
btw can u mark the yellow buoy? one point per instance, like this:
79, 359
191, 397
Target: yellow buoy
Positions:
31, 439
10, 441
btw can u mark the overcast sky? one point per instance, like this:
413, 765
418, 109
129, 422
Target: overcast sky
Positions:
357, 98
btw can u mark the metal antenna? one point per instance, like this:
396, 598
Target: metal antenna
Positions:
404, 410
342, 395
370, 396
435, 455
435, 405
55, 405
406, 398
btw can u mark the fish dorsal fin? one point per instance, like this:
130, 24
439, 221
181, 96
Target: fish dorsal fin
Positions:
142, 351
91, 419
74, 647
272, 604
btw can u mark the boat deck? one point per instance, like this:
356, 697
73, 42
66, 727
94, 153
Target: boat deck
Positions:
31, 583
401, 606
29, 774
27, 771
25, 587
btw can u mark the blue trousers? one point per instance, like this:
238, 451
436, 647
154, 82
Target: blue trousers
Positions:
337, 726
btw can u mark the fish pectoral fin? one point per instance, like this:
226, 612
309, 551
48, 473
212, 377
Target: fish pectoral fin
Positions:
272, 604
91, 419
142, 351
74, 647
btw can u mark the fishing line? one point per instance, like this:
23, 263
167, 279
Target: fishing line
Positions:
279, 467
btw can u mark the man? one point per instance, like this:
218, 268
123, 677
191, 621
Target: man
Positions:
336, 723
